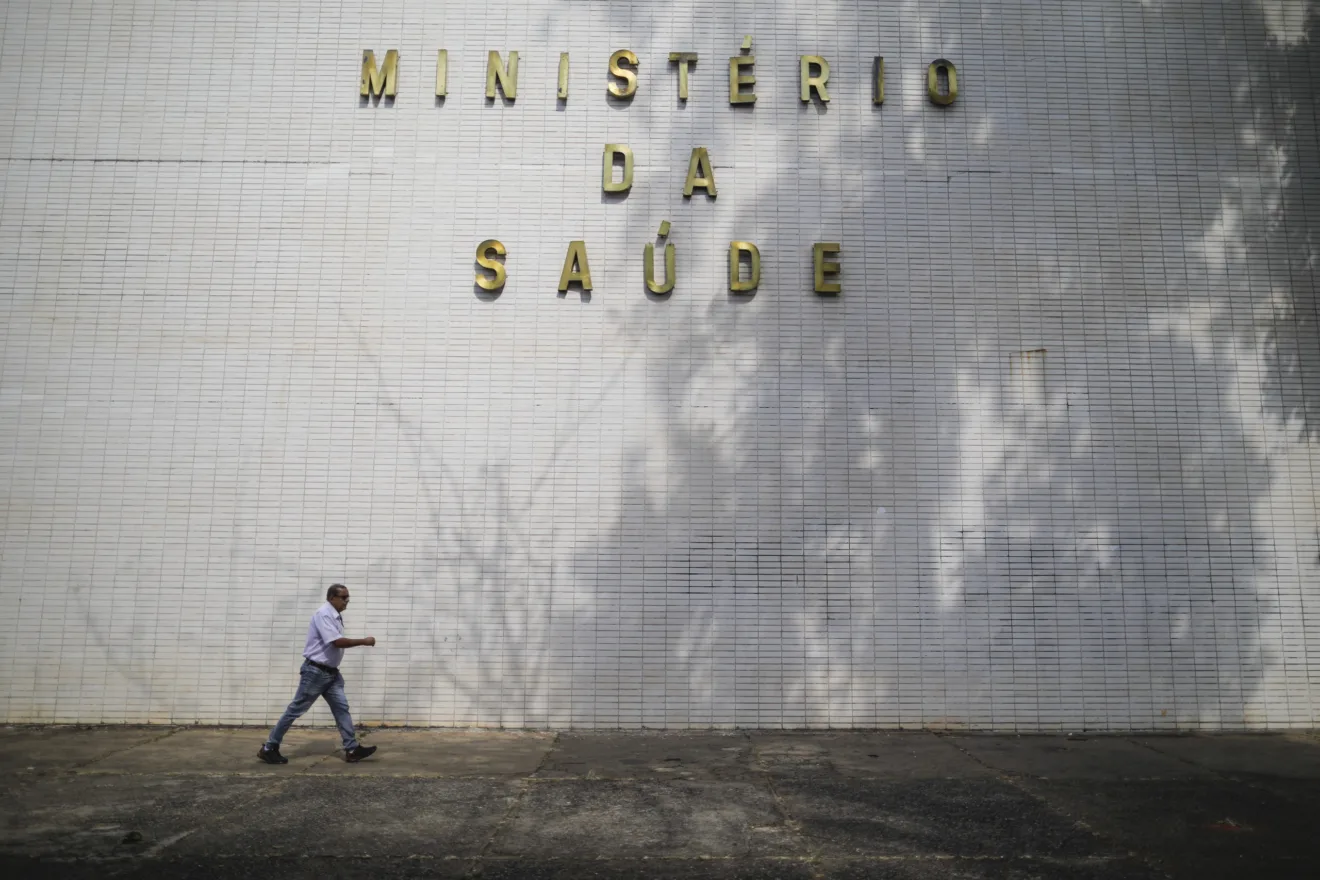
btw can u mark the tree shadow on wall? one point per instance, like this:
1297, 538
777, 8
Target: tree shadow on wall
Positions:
1276, 213
1012, 478
486, 604
477, 624
1015, 491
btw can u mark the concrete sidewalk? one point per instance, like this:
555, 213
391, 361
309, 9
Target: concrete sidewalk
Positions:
179, 802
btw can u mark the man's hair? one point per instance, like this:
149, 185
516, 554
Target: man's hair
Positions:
335, 590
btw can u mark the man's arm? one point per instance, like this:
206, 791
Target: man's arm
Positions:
368, 642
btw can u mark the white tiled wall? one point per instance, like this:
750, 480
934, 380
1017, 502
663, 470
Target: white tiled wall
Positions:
1048, 462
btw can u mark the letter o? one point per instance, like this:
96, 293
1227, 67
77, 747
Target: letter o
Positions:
933, 82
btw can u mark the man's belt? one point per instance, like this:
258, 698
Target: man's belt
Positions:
333, 670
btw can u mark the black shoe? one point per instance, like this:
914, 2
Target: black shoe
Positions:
352, 756
272, 756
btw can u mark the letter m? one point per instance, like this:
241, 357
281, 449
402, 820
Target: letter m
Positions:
380, 82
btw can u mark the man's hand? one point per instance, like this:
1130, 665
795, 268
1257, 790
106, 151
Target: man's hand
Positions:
368, 642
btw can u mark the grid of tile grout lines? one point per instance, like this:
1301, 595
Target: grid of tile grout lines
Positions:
1046, 463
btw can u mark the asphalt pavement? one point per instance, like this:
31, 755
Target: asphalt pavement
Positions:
196, 802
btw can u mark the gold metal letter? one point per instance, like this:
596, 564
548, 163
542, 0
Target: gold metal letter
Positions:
933, 82
607, 181
700, 173
507, 77
736, 250
623, 73
486, 261
684, 59
738, 79
575, 267
563, 76
648, 268
810, 82
824, 267
879, 96
441, 72
383, 82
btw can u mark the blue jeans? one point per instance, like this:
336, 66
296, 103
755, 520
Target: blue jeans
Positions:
316, 682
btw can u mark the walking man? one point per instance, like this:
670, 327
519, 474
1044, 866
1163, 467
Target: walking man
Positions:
321, 678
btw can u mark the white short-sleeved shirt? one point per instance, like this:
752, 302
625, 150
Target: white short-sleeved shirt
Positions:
326, 626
